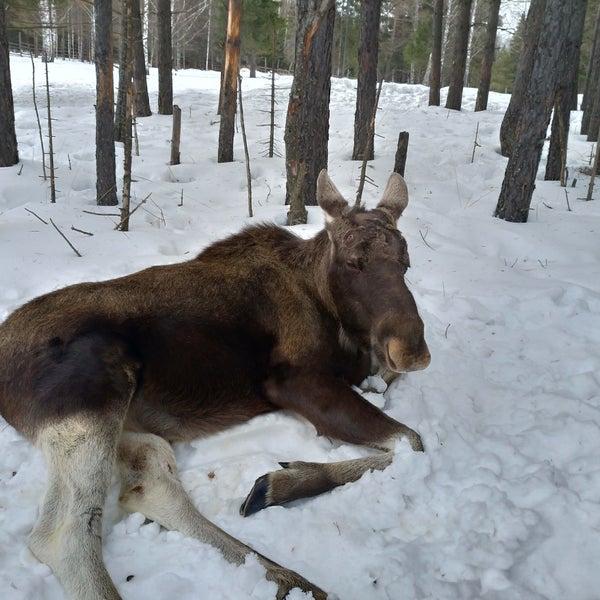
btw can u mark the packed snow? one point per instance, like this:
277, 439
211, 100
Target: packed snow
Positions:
504, 503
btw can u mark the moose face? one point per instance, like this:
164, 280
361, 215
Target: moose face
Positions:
369, 259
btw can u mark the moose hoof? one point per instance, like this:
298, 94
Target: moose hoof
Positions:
257, 499
414, 439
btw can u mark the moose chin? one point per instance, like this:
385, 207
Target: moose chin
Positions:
107, 374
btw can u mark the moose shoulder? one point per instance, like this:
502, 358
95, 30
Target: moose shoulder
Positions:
105, 374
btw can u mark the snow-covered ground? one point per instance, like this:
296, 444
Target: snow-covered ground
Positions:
504, 503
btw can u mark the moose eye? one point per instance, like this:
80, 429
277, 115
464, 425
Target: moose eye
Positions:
354, 265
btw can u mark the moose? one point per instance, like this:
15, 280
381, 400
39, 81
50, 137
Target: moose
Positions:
107, 374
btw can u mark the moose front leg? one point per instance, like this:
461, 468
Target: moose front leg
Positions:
337, 411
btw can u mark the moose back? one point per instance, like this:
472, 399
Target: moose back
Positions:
104, 375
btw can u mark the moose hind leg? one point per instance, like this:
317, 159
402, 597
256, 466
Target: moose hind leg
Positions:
150, 485
84, 398
68, 534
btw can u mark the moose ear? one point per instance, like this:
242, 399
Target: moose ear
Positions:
329, 197
395, 196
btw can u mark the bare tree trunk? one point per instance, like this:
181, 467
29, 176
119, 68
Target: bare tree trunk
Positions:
510, 122
229, 82
50, 141
459, 60
488, 56
435, 76
566, 96
519, 179
165, 58
138, 59
127, 67
368, 50
401, 153
106, 184
307, 122
176, 136
593, 76
9, 154
123, 87
271, 149
594, 127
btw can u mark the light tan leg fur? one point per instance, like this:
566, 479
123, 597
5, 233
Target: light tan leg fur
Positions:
150, 485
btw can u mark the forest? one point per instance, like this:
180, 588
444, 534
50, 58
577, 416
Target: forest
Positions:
543, 59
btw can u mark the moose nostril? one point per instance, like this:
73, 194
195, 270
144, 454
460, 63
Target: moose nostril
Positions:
399, 358
394, 354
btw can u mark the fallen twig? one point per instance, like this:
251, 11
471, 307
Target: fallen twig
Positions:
36, 216
65, 238
73, 228
101, 214
424, 240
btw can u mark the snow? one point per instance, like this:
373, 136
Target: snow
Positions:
504, 503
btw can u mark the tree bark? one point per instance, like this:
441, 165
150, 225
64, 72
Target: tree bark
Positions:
435, 75
519, 179
401, 153
459, 57
229, 81
368, 50
510, 122
123, 87
165, 58
106, 184
9, 154
489, 52
594, 110
593, 75
140, 84
176, 136
307, 122
566, 96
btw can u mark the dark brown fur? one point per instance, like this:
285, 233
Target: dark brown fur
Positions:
260, 321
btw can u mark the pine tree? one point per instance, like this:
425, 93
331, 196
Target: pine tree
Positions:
307, 121
8, 148
106, 183
539, 93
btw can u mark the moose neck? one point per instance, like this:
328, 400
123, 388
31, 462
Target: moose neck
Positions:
316, 254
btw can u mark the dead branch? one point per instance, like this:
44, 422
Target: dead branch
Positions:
246, 153
367, 152
65, 238
36, 216
73, 228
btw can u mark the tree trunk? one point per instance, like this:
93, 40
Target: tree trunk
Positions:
401, 153
229, 80
566, 95
459, 57
594, 126
127, 67
519, 179
489, 52
368, 50
510, 122
106, 185
9, 154
123, 88
435, 75
140, 85
593, 76
307, 122
165, 58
